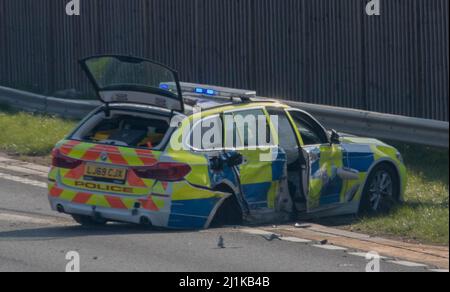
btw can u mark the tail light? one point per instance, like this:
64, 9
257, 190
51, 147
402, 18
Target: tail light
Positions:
61, 161
164, 171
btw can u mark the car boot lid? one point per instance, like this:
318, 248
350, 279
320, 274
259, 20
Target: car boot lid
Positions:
126, 79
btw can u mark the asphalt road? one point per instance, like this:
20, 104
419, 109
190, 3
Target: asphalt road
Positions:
33, 238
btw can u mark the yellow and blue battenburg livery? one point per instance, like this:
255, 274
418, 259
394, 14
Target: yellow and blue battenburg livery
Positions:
138, 158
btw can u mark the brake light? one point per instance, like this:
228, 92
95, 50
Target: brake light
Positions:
61, 161
164, 171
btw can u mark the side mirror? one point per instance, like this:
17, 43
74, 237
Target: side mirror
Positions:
235, 159
335, 138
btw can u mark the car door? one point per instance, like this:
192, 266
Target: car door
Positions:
327, 176
261, 171
290, 142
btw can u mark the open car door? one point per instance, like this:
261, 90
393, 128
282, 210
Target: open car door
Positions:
125, 79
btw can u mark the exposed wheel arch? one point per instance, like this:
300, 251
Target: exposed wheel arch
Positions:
229, 212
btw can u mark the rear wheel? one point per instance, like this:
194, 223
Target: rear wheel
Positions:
88, 221
382, 190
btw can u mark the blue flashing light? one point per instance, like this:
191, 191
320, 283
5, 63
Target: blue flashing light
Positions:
205, 91
210, 92
164, 86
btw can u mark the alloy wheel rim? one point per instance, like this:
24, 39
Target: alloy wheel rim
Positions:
381, 190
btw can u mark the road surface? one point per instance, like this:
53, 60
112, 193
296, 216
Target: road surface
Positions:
33, 238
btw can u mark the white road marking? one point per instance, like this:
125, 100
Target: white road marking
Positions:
329, 247
24, 170
255, 231
295, 239
408, 264
26, 219
23, 180
438, 271
363, 255
23, 167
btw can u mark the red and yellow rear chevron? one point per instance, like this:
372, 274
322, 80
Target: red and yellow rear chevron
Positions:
106, 201
123, 156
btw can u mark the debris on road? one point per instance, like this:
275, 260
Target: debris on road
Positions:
271, 237
221, 243
302, 225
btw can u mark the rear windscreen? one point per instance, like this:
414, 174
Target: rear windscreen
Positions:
115, 71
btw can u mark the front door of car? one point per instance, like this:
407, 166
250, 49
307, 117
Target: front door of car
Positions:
248, 133
325, 183
328, 176
289, 141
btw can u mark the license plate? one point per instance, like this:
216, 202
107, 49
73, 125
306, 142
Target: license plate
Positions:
105, 173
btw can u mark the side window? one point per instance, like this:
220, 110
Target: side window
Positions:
311, 131
286, 134
232, 138
245, 129
207, 134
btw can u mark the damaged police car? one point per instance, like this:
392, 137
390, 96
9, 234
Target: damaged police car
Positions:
187, 156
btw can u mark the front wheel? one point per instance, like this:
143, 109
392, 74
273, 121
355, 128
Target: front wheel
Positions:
382, 191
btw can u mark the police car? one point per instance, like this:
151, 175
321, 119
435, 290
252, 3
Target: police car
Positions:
186, 156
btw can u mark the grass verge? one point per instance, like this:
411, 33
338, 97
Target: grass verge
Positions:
29, 134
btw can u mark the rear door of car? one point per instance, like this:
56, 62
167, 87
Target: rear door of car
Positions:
125, 79
262, 170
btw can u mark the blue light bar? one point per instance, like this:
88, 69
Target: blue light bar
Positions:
164, 86
205, 91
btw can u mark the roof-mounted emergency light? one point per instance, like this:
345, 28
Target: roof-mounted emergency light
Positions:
212, 91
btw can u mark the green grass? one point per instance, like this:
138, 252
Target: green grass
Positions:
30, 135
424, 216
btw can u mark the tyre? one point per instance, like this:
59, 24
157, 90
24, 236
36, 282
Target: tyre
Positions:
88, 221
381, 192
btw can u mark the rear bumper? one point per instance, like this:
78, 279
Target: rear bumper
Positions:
134, 216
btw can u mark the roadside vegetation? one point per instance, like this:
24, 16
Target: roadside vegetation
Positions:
30, 134
424, 217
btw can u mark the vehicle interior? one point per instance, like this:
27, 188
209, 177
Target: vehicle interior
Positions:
123, 128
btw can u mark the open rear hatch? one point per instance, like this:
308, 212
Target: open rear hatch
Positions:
125, 79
